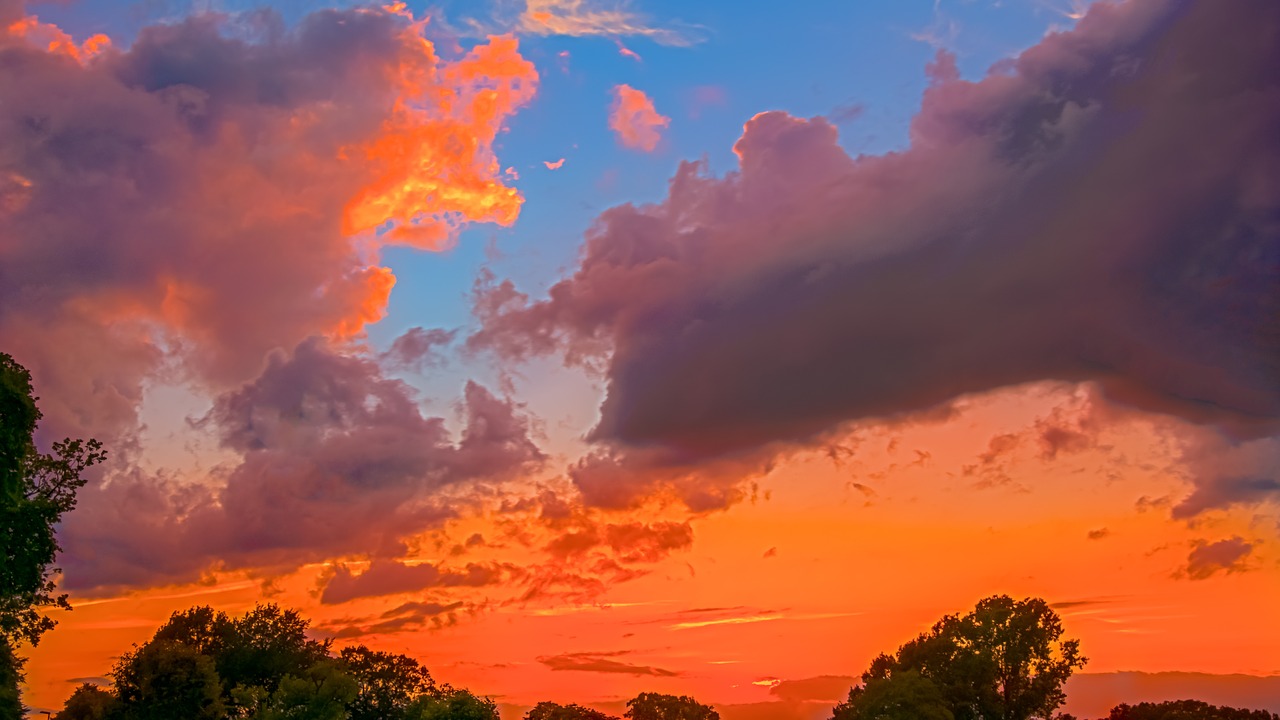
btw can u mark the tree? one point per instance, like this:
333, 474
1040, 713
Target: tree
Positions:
88, 702
387, 683
251, 654
902, 696
263, 646
1005, 660
36, 490
451, 704
555, 711
653, 706
163, 680
1186, 710
323, 693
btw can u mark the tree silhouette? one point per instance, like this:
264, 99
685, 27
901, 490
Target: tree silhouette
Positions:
88, 702
1005, 660
555, 711
1186, 710
653, 706
163, 680
388, 683
904, 695
36, 490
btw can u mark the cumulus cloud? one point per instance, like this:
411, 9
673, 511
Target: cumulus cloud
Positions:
193, 197
335, 459
200, 207
1083, 213
1207, 559
635, 121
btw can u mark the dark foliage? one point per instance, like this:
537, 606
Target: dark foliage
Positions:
1005, 660
1186, 710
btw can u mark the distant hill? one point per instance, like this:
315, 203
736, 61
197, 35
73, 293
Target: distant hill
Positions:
1092, 695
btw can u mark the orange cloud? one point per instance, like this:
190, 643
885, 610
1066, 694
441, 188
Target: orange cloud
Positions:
580, 18
434, 160
54, 40
625, 51
633, 117
554, 165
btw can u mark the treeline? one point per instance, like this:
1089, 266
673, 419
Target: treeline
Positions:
1006, 660
205, 665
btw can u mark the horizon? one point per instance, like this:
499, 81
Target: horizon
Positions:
578, 348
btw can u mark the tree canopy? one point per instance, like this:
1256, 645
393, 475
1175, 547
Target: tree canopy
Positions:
1005, 660
206, 665
555, 711
1186, 710
654, 706
36, 490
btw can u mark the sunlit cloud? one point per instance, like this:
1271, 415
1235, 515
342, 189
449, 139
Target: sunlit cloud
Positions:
607, 18
635, 121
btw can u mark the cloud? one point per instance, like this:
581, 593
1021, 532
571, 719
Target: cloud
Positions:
1208, 559
416, 349
1229, 473
585, 18
391, 577
634, 119
1113, 225
602, 663
1094, 694
187, 204
823, 688
554, 165
847, 113
411, 616
335, 459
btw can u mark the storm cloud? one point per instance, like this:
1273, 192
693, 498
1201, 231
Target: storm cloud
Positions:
1105, 208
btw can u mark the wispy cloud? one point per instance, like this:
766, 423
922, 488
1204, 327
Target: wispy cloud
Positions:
585, 18
602, 662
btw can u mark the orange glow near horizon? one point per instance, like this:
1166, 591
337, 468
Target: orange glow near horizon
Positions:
835, 561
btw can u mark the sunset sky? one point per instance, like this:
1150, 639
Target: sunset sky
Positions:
580, 348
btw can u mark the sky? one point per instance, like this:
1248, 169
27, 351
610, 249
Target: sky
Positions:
580, 348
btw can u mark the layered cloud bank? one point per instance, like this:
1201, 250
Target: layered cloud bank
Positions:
1101, 209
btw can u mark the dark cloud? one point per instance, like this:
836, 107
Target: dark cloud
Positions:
602, 663
390, 577
1228, 473
417, 349
1104, 208
824, 688
336, 459
412, 616
1207, 559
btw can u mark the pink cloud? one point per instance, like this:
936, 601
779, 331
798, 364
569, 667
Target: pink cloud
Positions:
335, 459
633, 118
